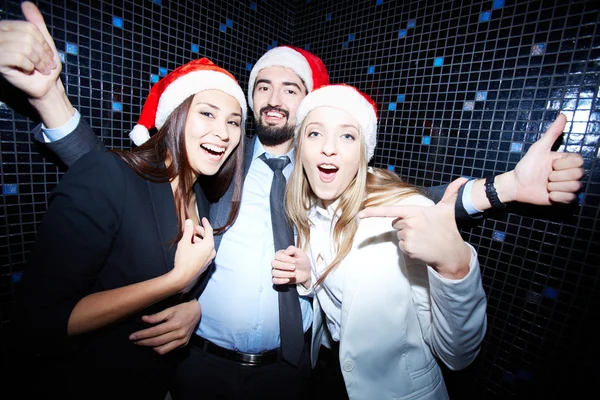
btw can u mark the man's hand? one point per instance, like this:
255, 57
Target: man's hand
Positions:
542, 177
430, 234
28, 56
175, 327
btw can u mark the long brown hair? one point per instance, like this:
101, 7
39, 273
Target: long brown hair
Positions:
148, 161
371, 187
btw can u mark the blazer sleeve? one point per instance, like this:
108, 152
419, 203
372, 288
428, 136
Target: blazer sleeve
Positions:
73, 242
452, 313
76, 144
436, 193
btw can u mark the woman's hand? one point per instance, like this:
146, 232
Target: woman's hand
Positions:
291, 266
195, 251
430, 234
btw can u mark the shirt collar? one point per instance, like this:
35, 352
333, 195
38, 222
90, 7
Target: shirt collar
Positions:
259, 150
326, 213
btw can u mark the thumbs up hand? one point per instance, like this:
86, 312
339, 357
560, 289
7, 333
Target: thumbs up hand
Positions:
543, 176
430, 234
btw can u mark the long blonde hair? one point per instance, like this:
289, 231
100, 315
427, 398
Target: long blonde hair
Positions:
370, 188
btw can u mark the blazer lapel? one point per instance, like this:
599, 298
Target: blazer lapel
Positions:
165, 214
353, 277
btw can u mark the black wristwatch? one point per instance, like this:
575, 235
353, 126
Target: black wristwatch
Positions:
491, 194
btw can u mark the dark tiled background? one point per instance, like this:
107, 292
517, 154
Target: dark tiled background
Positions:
464, 88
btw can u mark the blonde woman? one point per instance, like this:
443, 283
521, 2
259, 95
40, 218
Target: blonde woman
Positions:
389, 314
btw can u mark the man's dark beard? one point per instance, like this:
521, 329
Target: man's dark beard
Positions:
273, 135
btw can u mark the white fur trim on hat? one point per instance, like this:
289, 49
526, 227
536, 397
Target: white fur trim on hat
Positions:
281, 57
344, 98
192, 83
139, 135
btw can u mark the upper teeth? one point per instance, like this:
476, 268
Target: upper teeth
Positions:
214, 148
274, 114
328, 166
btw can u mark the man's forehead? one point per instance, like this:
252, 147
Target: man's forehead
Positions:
279, 75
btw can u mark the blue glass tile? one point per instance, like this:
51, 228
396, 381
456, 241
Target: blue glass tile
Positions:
580, 198
10, 188
371, 69
469, 105
516, 147
117, 106
538, 49
229, 23
438, 62
550, 293
195, 48
159, 2
426, 140
400, 98
509, 377
253, 6
16, 276
162, 71
307, 47
402, 33
154, 78
345, 45
269, 47
351, 37
498, 4
498, 236
411, 23
275, 43
379, 2
485, 16
249, 66
392, 106
117, 22
480, 96
71, 48
524, 374
223, 28
328, 17
391, 168
61, 55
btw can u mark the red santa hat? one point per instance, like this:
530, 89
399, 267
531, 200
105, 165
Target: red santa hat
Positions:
168, 93
306, 65
347, 98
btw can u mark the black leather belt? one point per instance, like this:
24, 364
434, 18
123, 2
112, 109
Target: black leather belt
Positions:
249, 359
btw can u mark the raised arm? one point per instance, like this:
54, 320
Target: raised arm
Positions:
29, 61
542, 177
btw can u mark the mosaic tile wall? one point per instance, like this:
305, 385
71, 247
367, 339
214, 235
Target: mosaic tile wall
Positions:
464, 88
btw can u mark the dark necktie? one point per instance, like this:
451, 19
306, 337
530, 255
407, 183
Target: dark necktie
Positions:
290, 315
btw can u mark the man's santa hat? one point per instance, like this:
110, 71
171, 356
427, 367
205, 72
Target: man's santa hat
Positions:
172, 90
305, 64
349, 99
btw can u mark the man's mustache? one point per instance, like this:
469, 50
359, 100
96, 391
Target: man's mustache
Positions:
279, 110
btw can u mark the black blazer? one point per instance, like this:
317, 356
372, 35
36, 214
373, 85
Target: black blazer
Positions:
106, 227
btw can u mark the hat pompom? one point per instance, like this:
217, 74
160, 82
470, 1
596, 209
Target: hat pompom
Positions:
139, 134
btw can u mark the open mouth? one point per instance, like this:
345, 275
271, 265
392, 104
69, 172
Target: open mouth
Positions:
274, 116
213, 150
327, 172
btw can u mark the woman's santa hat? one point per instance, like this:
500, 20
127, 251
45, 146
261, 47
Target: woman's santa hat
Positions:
305, 64
349, 99
172, 90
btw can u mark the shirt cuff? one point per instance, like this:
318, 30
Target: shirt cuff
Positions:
466, 199
54, 134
